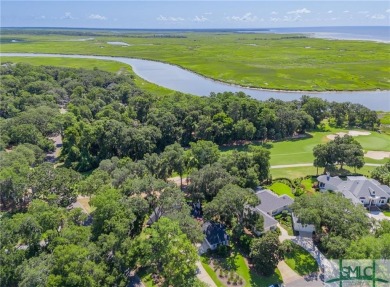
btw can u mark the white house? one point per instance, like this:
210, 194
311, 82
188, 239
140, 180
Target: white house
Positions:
215, 235
300, 227
359, 189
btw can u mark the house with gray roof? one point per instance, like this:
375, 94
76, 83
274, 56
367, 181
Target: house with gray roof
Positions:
215, 235
272, 203
270, 223
359, 189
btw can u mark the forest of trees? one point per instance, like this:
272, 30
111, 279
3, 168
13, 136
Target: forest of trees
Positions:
352, 235
120, 144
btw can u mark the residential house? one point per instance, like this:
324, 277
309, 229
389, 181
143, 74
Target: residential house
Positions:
272, 203
215, 235
359, 189
270, 223
303, 229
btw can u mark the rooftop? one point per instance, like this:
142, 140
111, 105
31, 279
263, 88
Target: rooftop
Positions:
215, 232
270, 201
268, 220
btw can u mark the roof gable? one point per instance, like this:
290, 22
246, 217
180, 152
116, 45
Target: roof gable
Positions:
215, 232
270, 201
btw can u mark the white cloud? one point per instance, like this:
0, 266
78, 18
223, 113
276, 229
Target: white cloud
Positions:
346, 11
274, 13
378, 16
171, 19
300, 11
289, 18
43, 17
67, 16
330, 12
208, 13
363, 12
388, 11
97, 17
200, 19
248, 17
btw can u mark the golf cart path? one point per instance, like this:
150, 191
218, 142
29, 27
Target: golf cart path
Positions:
310, 164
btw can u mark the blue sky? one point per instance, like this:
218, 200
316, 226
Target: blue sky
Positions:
194, 14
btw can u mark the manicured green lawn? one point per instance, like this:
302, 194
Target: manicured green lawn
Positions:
297, 151
387, 213
300, 260
295, 172
210, 271
267, 60
238, 264
281, 188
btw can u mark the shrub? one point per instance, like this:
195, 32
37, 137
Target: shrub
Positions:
221, 273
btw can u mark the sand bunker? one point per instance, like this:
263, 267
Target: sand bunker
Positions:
351, 133
377, 154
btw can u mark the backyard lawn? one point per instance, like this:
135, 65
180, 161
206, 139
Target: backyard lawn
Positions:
236, 262
281, 188
300, 260
308, 183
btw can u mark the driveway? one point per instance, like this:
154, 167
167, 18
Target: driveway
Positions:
288, 275
204, 276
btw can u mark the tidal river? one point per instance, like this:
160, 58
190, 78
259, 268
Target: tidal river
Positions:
178, 79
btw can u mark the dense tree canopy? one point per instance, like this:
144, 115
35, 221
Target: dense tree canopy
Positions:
128, 142
335, 232
266, 253
382, 173
342, 150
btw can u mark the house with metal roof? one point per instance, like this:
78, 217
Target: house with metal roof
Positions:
359, 189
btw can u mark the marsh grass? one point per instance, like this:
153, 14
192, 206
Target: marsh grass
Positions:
267, 60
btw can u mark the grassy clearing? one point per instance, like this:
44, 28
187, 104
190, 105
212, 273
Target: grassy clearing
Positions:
308, 183
237, 263
281, 189
384, 118
104, 65
299, 151
267, 60
300, 260
295, 172
84, 201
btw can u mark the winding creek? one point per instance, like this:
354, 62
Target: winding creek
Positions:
176, 78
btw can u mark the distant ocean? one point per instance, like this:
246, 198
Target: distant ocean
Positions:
367, 33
